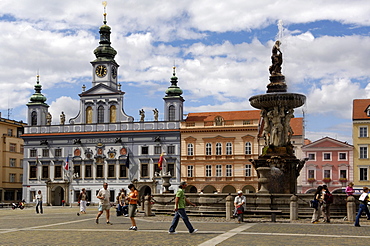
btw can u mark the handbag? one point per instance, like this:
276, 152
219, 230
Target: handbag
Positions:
314, 204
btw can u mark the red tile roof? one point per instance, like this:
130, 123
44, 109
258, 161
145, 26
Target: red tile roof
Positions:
359, 109
226, 115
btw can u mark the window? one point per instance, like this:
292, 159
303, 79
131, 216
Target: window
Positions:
12, 147
10, 132
157, 150
101, 114
343, 156
218, 149
190, 149
22, 149
208, 149
311, 174
88, 171
190, 171
33, 118
363, 173
111, 196
171, 150
363, 131
21, 178
144, 170
99, 171
343, 174
77, 170
45, 153
33, 152
327, 174
248, 170
171, 113
89, 113
122, 171
208, 170
12, 162
156, 169
248, 148
33, 171
218, 170
58, 152
58, 172
144, 150
229, 149
171, 169
363, 152
11, 177
229, 169
311, 156
110, 171
112, 114
327, 156
45, 172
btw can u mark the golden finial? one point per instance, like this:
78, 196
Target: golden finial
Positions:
105, 11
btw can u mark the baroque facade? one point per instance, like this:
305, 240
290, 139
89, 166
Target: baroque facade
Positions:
330, 162
216, 148
102, 143
11, 160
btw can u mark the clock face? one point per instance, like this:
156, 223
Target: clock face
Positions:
114, 72
101, 71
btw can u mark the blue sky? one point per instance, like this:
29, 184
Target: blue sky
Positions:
221, 50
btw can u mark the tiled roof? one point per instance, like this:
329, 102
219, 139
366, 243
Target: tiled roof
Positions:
359, 109
227, 115
297, 126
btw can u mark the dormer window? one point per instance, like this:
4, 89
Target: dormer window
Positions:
219, 121
368, 111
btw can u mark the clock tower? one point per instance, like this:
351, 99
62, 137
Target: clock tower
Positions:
104, 66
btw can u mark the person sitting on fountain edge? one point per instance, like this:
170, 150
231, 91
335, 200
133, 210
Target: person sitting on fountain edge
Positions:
239, 203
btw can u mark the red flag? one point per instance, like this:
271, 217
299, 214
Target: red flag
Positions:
160, 162
66, 167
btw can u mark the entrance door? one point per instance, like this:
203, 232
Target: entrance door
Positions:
58, 196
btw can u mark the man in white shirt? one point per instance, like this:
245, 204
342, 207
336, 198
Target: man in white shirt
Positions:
239, 203
104, 204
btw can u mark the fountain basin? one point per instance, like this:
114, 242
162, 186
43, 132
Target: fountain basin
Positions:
277, 99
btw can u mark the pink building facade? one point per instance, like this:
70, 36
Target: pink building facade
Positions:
329, 162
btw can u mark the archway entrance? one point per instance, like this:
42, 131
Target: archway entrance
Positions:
229, 189
209, 189
191, 189
58, 196
145, 191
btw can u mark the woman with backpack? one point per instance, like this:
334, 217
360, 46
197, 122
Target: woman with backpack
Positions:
327, 200
317, 211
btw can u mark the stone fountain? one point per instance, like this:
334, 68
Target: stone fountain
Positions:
277, 167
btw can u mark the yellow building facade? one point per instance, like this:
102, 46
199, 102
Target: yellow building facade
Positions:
361, 142
11, 154
215, 151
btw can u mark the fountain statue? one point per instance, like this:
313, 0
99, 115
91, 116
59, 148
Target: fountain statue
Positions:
277, 167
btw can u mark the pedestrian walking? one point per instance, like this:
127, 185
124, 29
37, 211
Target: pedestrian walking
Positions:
239, 204
39, 202
132, 198
82, 199
364, 198
180, 202
317, 211
104, 204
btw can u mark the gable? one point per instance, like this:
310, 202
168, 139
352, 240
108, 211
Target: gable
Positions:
328, 142
100, 89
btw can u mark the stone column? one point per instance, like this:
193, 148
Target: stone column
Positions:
229, 207
293, 208
351, 208
147, 206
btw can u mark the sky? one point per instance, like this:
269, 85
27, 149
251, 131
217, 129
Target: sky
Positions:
221, 50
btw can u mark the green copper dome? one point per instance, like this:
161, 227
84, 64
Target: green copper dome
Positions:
173, 90
104, 52
37, 97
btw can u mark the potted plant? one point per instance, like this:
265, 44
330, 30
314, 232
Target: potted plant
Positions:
343, 180
311, 180
326, 180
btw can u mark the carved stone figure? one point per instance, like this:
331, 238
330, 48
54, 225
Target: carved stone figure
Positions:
62, 118
276, 59
266, 127
48, 119
277, 126
288, 129
142, 115
155, 111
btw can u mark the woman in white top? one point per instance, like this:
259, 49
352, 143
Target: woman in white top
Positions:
39, 202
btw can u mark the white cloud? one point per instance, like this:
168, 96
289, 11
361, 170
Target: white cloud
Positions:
69, 106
